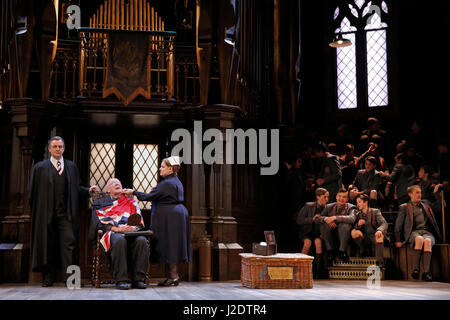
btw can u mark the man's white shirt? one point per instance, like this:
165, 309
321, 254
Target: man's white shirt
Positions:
55, 163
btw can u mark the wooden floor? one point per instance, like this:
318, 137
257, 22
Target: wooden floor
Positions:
232, 290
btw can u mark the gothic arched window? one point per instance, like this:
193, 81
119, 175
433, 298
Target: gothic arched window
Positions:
362, 68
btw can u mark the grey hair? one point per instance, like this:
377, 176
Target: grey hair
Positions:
55, 138
111, 182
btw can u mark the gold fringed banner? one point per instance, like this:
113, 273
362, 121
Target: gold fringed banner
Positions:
127, 73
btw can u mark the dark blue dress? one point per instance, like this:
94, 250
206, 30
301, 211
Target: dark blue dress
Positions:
169, 221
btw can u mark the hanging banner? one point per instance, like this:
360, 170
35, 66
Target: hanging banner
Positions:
128, 73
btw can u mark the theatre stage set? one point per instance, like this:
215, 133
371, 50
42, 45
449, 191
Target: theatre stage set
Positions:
115, 78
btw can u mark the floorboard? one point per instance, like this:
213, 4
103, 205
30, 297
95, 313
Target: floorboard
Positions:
232, 290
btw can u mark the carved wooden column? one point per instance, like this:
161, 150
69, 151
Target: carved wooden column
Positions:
204, 46
26, 115
222, 225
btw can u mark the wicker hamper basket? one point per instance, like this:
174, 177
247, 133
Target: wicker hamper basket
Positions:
280, 271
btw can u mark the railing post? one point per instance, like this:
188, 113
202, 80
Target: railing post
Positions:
82, 62
170, 70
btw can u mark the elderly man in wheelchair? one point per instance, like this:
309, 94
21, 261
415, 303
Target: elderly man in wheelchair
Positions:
120, 219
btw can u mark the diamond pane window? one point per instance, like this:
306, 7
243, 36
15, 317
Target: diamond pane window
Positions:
145, 169
336, 13
346, 69
346, 75
359, 3
377, 68
352, 83
102, 162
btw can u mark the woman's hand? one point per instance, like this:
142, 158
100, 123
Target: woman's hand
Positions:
127, 192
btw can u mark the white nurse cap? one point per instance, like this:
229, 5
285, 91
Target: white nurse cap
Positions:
174, 160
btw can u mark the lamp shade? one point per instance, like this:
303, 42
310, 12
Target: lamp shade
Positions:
340, 42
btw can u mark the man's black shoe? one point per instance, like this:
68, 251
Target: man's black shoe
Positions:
122, 285
426, 276
169, 282
330, 258
415, 274
139, 285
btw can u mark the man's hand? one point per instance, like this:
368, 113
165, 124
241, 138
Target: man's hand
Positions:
398, 244
353, 193
379, 236
127, 192
361, 222
94, 188
331, 221
436, 188
124, 229
315, 217
288, 166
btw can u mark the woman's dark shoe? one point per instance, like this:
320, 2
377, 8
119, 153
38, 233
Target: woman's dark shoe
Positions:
415, 274
169, 282
47, 283
139, 285
426, 276
122, 285
47, 279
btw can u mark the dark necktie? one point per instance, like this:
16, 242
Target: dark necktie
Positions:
58, 167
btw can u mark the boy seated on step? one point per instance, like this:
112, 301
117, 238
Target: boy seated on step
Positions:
369, 229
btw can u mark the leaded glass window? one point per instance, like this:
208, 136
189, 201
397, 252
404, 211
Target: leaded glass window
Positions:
359, 20
145, 169
102, 164
346, 69
377, 74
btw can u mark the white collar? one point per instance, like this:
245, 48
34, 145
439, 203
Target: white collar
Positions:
54, 161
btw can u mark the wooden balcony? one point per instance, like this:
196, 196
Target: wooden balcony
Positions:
79, 68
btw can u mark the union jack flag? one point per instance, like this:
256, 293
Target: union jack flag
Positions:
117, 215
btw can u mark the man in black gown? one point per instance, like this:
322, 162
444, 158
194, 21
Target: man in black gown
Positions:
54, 190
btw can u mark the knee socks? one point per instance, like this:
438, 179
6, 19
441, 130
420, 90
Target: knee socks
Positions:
426, 261
379, 252
416, 258
359, 243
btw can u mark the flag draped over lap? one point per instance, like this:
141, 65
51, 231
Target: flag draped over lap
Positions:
116, 214
127, 74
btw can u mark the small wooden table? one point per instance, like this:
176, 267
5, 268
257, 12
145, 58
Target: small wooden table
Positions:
279, 271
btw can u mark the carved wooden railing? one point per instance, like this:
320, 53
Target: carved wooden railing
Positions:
94, 56
68, 82
79, 68
187, 86
65, 76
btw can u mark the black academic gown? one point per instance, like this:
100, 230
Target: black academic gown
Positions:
41, 206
